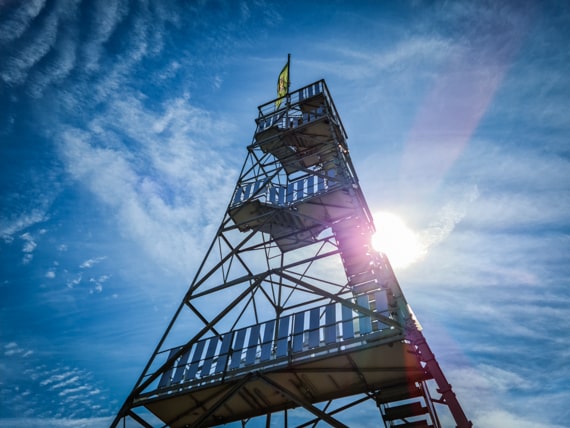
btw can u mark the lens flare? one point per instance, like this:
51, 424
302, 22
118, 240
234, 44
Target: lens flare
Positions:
395, 239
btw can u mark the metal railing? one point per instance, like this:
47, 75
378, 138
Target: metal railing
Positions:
288, 114
317, 331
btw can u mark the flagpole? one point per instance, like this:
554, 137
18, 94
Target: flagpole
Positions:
289, 71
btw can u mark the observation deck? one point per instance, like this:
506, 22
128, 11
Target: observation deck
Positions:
319, 354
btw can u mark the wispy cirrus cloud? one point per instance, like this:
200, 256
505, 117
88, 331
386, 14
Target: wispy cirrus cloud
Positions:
10, 226
46, 47
482, 387
104, 20
160, 186
56, 422
31, 48
501, 173
28, 378
12, 349
46, 44
19, 20
447, 217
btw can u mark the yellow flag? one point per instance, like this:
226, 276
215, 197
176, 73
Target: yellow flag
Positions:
282, 84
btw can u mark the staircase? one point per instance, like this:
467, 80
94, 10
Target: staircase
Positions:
368, 274
406, 406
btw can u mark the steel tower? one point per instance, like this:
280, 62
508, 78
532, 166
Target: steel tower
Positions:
292, 318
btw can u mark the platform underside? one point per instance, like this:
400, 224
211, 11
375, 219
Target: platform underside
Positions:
289, 386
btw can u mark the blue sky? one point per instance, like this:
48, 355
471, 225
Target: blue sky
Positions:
123, 126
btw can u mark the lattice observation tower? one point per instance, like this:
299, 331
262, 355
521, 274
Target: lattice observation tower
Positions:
293, 319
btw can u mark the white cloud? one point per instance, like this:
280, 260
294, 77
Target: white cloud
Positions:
63, 422
447, 218
49, 391
29, 243
499, 418
15, 70
69, 391
98, 284
9, 228
12, 348
165, 190
488, 392
92, 262
63, 62
54, 378
501, 380
71, 283
403, 58
518, 189
57, 35
19, 21
28, 247
64, 382
106, 17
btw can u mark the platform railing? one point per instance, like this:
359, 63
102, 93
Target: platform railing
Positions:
287, 119
287, 114
312, 333
281, 195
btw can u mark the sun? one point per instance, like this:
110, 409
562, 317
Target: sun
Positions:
395, 239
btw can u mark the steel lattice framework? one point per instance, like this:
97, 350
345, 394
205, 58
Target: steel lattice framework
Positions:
292, 315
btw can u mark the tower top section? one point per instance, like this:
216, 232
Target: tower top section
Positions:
298, 107
299, 180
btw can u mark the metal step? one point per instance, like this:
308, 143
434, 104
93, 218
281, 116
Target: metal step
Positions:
416, 424
404, 411
398, 393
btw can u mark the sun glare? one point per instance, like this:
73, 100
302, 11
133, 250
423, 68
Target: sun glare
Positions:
395, 239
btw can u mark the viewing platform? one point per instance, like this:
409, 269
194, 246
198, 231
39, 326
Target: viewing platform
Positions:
304, 131
293, 214
339, 338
